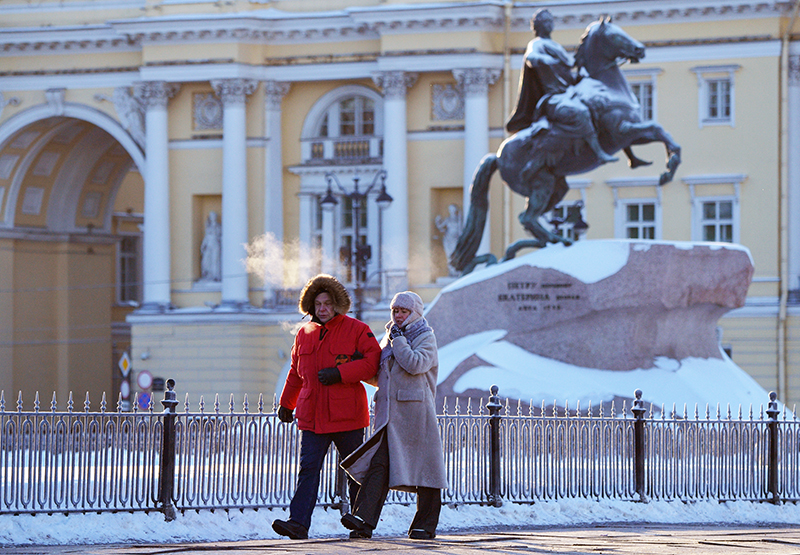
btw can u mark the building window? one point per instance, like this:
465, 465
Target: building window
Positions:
344, 127
644, 94
640, 220
717, 100
715, 211
716, 221
637, 207
643, 86
129, 270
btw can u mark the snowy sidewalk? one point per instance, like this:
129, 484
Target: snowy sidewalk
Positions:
564, 526
620, 539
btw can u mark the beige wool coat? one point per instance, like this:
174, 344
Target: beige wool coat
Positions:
405, 411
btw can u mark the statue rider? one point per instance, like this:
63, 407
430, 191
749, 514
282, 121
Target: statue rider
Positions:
546, 89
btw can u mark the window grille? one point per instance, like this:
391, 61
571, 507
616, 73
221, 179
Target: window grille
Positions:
719, 99
717, 220
640, 220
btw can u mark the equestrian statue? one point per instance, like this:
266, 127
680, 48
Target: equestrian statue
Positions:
565, 123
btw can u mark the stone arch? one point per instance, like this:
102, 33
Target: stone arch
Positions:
54, 264
61, 214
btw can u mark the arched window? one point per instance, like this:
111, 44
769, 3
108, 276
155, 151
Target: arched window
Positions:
344, 127
353, 116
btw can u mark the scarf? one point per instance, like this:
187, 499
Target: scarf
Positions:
410, 332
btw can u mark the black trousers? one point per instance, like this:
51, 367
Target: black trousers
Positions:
313, 448
375, 487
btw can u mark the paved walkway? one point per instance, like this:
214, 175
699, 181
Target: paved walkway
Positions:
646, 539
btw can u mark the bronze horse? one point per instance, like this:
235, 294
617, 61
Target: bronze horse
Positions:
535, 161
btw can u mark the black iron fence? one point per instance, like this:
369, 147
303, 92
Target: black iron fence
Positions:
82, 461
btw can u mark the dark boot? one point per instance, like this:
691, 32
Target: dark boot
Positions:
294, 530
360, 529
420, 534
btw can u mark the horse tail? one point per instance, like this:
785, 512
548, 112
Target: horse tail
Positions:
470, 238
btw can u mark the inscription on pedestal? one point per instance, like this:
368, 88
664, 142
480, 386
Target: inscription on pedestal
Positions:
531, 296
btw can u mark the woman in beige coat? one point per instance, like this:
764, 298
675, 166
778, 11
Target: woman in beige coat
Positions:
405, 452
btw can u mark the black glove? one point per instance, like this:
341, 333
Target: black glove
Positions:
329, 376
285, 415
395, 332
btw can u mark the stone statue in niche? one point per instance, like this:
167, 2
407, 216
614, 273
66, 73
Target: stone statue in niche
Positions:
451, 230
210, 248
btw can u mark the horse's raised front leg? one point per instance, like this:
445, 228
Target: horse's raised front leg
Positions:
649, 132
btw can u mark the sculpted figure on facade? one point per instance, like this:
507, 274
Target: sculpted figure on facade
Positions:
130, 111
210, 250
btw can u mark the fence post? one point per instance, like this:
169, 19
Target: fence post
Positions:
638, 411
494, 407
340, 487
166, 477
772, 465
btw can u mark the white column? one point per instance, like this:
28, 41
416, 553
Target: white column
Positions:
233, 93
305, 256
793, 177
475, 84
373, 221
395, 162
154, 95
274, 92
328, 239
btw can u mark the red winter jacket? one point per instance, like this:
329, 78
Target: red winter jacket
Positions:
325, 409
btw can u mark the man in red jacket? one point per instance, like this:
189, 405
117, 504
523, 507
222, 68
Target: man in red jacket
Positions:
332, 354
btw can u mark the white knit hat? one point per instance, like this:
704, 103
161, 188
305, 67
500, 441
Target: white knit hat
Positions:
408, 300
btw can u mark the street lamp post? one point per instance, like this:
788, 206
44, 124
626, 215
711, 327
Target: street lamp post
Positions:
359, 255
574, 217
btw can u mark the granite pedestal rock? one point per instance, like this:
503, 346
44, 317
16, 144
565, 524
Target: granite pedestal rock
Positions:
611, 305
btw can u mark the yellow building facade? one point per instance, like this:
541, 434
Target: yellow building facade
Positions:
163, 167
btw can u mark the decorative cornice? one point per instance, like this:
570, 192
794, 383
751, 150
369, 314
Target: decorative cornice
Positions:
270, 26
432, 17
580, 14
63, 40
276, 27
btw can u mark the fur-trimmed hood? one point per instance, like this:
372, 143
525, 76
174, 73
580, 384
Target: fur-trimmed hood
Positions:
327, 284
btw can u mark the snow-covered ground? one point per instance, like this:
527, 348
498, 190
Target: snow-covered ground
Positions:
250, 525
